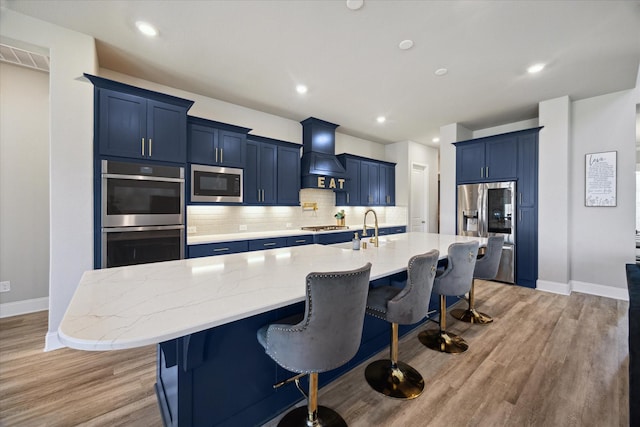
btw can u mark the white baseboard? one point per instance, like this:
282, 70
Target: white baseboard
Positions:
17, 308
553, 287
600, 290
583, 287
52, 342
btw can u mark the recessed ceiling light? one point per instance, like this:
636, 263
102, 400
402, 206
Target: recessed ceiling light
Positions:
381, 119
301, 89
441, 71
406, 44
355, 4
536, 68
146, 28
436, 139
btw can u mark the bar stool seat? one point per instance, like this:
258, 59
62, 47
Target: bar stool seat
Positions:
325, 337
455, 280
486, 269
405, 306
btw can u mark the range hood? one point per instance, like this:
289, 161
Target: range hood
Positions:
319, 165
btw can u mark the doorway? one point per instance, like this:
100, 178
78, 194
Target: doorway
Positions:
419, 198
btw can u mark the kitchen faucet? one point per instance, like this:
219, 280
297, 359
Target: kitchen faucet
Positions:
374, 239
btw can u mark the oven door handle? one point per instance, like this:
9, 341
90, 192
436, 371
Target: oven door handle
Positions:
142, 228
141, 177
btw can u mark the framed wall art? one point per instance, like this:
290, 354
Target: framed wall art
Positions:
600, 179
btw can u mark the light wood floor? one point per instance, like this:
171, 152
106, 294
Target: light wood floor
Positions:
547, 360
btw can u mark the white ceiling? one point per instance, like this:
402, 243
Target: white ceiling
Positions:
253, 53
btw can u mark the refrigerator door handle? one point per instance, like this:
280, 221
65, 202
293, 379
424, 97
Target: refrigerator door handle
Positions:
480, 210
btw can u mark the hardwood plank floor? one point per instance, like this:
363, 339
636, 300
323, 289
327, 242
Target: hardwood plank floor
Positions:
547, 360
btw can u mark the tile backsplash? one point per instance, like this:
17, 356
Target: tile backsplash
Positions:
209, 220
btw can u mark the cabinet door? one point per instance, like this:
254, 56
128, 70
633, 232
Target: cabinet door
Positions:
231, 147
527, 248
202, 143
351, 195
268, 162
469, 162
122, 125
167, 132
501, 158
387, 185
527, 170
251, 174
369, 183
288, 176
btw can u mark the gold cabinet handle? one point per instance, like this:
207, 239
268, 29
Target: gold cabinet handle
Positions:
150, 146
220, 249
269, 244
142, 147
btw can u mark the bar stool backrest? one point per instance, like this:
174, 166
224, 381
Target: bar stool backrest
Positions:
412, 303
458, 276
329, 334
487, 266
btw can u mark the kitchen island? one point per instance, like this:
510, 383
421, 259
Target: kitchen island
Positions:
204, 313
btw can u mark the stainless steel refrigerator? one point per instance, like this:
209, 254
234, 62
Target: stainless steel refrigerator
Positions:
486, 210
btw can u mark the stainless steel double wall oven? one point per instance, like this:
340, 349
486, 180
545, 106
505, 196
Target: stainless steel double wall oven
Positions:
142, 216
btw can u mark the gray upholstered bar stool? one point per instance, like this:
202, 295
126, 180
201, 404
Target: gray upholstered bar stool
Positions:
486, 269
404, 306
455, 280
326, 338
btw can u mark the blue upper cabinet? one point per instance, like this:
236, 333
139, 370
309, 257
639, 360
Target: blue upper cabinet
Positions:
351, 194
527, 170
487, 159
387, 185
272, 172
139, 124
369, 182
215, 143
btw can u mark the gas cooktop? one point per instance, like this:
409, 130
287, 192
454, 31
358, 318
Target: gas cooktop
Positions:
325, 227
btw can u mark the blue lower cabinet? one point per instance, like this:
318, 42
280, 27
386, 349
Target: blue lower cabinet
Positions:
261, 244
331, 238
300, 240
211, 249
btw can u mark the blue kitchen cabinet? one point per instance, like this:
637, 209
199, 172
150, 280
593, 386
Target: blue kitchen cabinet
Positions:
527, 186
306, 239
369, 183
137, 123
288, 175
272, 173
215, 143
272, 243
351, 194
222, 248
526, 273
487, 159
387, 189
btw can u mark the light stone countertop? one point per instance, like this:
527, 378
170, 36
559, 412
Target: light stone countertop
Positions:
134, 306
248, 235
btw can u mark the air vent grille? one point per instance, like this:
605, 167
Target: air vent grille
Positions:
14, 55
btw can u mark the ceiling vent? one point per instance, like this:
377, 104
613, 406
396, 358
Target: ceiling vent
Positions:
24, 58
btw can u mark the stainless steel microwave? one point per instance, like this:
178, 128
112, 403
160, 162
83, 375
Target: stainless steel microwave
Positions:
216, 184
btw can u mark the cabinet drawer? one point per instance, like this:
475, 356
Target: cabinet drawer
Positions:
260, 244
300, 240
211, 249
328, 239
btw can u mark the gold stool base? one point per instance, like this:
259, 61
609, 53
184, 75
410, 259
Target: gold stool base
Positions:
444, 341
471, 316
298, 417
400, 382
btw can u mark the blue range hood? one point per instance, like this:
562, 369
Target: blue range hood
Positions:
319, 165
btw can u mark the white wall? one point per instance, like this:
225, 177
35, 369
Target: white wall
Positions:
71, 152
602, 238
24, 186
448, 135
553, 184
